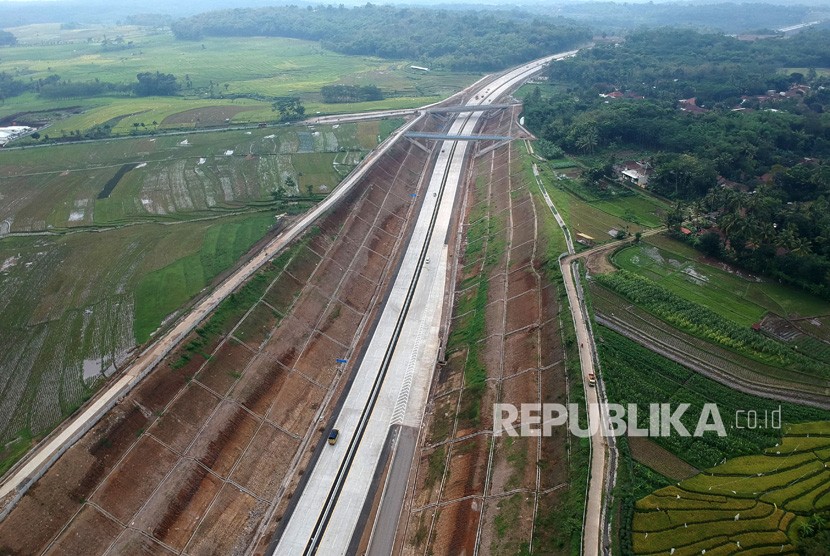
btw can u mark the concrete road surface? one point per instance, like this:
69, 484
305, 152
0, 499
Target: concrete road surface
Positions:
385, 528
593, 525
340, 500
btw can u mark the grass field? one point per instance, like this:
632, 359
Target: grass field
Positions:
594, 216
215, 68
678, 268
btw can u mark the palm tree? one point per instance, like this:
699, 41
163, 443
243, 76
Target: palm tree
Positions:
588, 139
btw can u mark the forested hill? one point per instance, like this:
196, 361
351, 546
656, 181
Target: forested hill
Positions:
469, 40
727, 17
737, 132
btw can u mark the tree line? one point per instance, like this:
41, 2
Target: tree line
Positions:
466, 41
53, 87
7, 38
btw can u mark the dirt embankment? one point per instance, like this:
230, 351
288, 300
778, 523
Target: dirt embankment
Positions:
203, 456
471, 489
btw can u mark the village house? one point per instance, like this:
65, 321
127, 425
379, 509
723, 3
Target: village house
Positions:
690, 105
634, 172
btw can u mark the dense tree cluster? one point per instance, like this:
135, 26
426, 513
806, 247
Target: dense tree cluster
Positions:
54, 88
290, 108
156, 84
727, 17
466, 40
10, 87
653, 69
781, 229
771, 212
737, 145
350, 93
7, 38
667, 64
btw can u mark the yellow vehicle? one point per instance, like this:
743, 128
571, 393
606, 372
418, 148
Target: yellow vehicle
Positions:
333, 436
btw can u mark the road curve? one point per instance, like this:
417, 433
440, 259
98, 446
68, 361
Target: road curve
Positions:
601, 476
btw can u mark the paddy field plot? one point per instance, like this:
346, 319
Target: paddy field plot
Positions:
668, 296
769, 477
169, 178
751, 502
110, 239
74, 306
634, 374
743, 299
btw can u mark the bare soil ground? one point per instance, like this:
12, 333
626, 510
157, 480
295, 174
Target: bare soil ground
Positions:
91, 532
149, 459
203, 456
182, 421
225, 368
474, 492
230, 523
257, 326
224, 438
267, 460
598, 263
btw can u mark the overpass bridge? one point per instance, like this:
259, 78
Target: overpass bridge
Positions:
465, 109
498, 140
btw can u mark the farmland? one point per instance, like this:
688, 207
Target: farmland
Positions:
108, 240
708, 325
635, 374
732, 295
669, 297
586, 212
762, 500
204, 455
226, 78
172, 178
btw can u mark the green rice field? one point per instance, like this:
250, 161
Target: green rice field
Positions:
743, 299
751, 504
771, 476
104, 242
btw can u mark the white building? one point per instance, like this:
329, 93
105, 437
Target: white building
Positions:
13, 132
